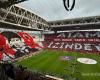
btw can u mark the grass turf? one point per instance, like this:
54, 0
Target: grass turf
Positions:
49, 61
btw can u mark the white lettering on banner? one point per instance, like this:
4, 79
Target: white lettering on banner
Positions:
87, 34
80, 40
67, 40
62, 45
97, 34
78, 46
96, 40
78, 35
74, 46
83, 35
87, 47
88, 41
56, 39
56, 45
98, 47
49, 46
69, 46
91, 40
77, 40
69, 35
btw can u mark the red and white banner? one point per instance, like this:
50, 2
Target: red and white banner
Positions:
16, 44
87, 41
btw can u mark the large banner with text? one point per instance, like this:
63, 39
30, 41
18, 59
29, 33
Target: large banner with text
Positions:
84, 41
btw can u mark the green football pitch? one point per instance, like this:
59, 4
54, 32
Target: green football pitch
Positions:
50, 62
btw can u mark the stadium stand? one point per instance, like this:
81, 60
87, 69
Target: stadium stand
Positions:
76, 41
8, 71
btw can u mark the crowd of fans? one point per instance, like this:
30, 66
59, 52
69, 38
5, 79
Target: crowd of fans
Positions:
9, 72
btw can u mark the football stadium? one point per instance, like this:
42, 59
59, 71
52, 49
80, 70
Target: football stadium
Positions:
49, 40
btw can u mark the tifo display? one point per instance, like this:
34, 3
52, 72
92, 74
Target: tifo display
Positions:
14, 45
83, 41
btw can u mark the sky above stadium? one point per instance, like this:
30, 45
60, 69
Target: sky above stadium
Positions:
52, 10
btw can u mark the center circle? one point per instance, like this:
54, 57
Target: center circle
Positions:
86, 61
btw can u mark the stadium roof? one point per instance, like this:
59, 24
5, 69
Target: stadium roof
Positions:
52, 10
